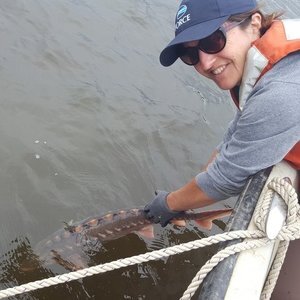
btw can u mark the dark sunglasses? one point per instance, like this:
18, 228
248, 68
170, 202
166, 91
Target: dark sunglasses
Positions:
212, 44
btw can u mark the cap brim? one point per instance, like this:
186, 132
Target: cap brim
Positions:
199, 31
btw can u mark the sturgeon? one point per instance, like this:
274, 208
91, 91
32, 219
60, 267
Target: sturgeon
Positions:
69, 246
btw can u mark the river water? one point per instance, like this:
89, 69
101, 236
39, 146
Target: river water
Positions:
90, 122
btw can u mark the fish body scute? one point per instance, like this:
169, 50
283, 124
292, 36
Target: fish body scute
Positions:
66, 245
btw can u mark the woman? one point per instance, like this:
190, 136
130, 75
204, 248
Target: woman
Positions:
257, 58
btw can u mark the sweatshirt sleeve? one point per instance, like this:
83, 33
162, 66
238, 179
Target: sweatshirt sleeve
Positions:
264, 132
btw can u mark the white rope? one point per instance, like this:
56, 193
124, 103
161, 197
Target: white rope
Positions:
289, 232
154, 255
221, 255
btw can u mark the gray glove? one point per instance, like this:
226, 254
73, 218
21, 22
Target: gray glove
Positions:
158, 211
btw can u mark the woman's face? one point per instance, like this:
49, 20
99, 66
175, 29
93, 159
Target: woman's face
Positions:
226, 68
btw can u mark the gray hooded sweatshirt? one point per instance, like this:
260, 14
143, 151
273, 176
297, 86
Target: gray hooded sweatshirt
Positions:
261, 134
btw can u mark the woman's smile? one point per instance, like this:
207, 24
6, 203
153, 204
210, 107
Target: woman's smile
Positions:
219, 70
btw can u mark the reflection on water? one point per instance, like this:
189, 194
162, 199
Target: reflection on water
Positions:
145, 281
90, 122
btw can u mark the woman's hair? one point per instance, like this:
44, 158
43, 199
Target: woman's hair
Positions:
266, 19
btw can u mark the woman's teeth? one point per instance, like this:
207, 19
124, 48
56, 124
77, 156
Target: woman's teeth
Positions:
219, 70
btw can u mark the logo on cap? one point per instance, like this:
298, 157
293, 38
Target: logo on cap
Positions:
181, 11
181, 16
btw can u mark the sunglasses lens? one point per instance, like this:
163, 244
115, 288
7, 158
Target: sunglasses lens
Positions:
214, 43
189, 55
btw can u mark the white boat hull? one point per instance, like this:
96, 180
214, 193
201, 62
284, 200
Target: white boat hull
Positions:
252, 266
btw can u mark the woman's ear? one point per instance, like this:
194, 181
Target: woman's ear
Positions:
256, 20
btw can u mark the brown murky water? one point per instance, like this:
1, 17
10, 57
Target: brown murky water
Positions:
90, 122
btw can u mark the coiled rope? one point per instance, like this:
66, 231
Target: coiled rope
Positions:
256, 238
290, 231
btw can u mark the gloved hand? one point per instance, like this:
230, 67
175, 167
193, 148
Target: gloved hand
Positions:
158, 210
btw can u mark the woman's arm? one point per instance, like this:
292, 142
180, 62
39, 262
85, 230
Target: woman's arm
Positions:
188, 197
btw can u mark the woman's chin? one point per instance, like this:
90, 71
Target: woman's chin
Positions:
226, 84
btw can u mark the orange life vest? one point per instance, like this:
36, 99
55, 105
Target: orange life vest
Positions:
281, 39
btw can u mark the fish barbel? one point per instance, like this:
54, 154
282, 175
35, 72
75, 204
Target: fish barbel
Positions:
68, 246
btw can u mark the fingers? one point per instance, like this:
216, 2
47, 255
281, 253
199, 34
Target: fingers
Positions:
147, 212
157, 211
147, 209
149, 216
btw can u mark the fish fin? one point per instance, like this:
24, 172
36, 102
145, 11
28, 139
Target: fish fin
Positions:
178, 222
225, 213
207, 221
207, 224
68, 265
147, 232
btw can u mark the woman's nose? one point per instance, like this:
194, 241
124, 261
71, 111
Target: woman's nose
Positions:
206, 61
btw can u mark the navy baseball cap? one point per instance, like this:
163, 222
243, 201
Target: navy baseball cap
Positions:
197, 19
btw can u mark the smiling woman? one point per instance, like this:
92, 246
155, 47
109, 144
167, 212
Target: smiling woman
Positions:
80, 77
257, 58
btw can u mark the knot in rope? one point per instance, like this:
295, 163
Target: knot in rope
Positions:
291, 228
289, 231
